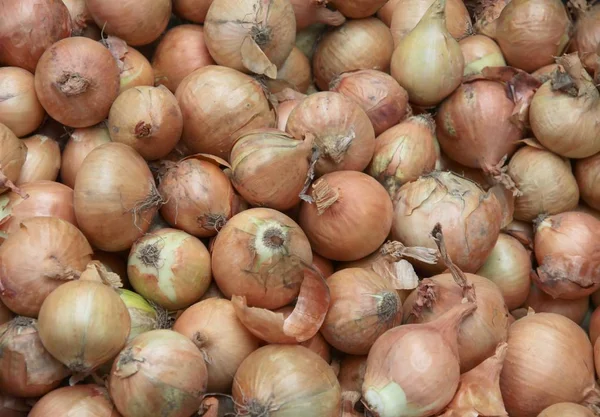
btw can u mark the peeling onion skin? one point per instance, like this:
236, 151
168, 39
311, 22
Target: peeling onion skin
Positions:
566, 409
84, 400
587, 174
20, 109
541, 302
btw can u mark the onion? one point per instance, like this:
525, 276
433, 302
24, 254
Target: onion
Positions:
531, 32
567, 248
76, 80
404, 152
357, 44
541, 302
549, 360
414, 369
250, 35
224, 342
28, 27
170, 268
13, 153
566, 409
84, 400
479, 52
377, 93
386, 13
522, 231
238, 104
343, 132
357, 9
265, 263
294, 73
428, 80
134, 67
350, 217
508, 266
115, 197
470, 218
43, 160
308, 12
545, 181
286, 380
180, 52
20, 109
14, 407
199, 197
81, 19
80, 144
351, 376
586, 171
145, 316
486, 14
586, 36
323, 265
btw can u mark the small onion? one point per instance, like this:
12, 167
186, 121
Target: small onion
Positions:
81, 400
586, 36
76, 80
357, 9
294, 73
144, 316
81, 19
180, 52
309, 12
541, 302
566, 409
43, 160
134, 67
586, 172
20, 109
357, 44
13, 153
479, 52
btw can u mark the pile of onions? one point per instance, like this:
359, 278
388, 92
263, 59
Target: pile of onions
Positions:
144, 316
342, 131
86, 400
180, 52
508, 266
479, 52
28, 27
357, 44
77, 80
80, 144
43, 160
566, 248
20, 109
280, 380
148, 378
404, 152
586, 36
309, 12
428, 81
377, 93
294, 73
214, 328
238, 104
549, 360
198, 197
545, 181
586, 172
115, 197
170, 268
566, 409
350, 217
261, 254
250, 35
357, 9
134, 67
13, 153
81, 20
43, 254
541, 302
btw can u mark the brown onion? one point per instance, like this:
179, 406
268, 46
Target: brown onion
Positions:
479, 52
343, 132
541, 302
13, 153
350, 217
80, 18
357, 44
309, 12
28, 27
180, 52
377, 93
357, 9
115, 197
566, 409
294, 73
238, 104
43, 160
586, 172
76, 80
84, 400
586, 36
20, 109
134, 67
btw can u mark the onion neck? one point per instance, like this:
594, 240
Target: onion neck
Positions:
324, 195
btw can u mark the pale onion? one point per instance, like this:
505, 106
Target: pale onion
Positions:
377, 93
180, 52
237, 104
309, 12
68, 79
43, 160
342, 131
115, 197
20, 109
594, 327
404, 152
508, 266
13, 153
81, 400
357, 44
357, 9
81, 19
541, 302
294, 73
587, 170
250, 35
479, 52
566, 409
214, 328
586, 35
144, 316
428, 61
134, 67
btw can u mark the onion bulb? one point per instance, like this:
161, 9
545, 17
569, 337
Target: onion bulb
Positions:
43, 160
357, 9
586, 172
586, 35
82, 400
20, 109
13, 153
145, 316
214, 328
386, 13
357, 44
294, 73
76, 80
479, 52
541, 302
250, 35
566, 409
428, 80
486, 14
134, 67
309, 12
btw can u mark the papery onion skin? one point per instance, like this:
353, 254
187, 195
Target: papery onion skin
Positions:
286, 380
238, 105
13, 153
136, 71
549, 360
20, 109
541, 302
586, 35
486, 14
566, 409
357, 9
43, 160
357, 44
80, 17
295, 73
28, 27
587, 173
85, 400
479, 52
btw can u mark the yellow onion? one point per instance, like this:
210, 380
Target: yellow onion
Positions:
13, 153
20, 109
541, 302
294, 73
82, 400
586, 172
357, 44
309, 12
479, 52
357, 9
586, 36
43, 160
566, 409
134, 67
250, 35
428, 80
144, 316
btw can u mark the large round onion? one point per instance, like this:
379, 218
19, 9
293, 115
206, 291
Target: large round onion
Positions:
28, 27
76, 80
20, 109
81, 400
115, 197
357, 9
13, 153
238, 104
479, 52
566, 409
587, 170
541, 302
43, 160
250, 35
357, 44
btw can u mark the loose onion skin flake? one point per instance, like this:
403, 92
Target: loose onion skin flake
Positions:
310, 12
82, 400
20, 109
